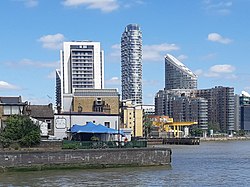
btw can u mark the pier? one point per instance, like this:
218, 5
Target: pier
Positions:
182, 141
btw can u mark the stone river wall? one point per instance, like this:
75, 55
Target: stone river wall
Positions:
95, 158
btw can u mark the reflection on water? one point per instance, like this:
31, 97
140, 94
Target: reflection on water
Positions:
208, 164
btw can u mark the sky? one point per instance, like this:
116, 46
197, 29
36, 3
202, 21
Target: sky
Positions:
211, 37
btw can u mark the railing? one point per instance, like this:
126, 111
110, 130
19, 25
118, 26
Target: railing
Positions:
67, 144
182, 141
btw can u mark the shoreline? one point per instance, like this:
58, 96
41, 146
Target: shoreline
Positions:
224, 138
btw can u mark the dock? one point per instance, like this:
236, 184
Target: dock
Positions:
182, 141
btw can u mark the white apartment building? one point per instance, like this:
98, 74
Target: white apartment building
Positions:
82, 67
131, 61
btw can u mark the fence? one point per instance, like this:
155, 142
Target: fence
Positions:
67, 144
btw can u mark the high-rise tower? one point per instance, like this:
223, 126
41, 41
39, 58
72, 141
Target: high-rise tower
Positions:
177, 75
82, 67
131, 61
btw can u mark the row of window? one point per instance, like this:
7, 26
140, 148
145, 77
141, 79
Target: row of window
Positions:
11, 110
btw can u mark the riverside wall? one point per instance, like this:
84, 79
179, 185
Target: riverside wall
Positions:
225, 138
97, 158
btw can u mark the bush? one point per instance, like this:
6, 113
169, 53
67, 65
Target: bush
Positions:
21, 130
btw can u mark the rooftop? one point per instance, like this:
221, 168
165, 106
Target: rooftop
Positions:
178, 64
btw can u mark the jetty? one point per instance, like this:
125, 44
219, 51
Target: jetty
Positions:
176, 141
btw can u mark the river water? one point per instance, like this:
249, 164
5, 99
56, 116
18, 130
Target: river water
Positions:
208, 164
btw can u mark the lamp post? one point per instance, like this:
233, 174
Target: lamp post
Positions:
134, 122
119, 140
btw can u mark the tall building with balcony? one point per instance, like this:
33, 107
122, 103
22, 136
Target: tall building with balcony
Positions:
131, 62
237, 112
82, 67
58, 88
183, 106
220, 106
177, 75
245, 111
182, 101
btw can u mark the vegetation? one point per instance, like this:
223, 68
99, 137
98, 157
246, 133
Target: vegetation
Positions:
94, 138
214, 126
20, 130
196, 131
148, 126
241, 133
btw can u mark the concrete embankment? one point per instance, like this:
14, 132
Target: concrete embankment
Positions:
225, 138
98, 158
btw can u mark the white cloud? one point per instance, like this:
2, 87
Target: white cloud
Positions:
198, 72
116, 50
222, 7
38, 64
156, 52
225, 68
7, 86
215, 37
113, 81
103, 5
182, 57
52, 41
223, 71
131, 3
153, 52
29, 3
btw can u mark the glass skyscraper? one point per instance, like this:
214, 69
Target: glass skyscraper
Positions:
131, 61
177, 75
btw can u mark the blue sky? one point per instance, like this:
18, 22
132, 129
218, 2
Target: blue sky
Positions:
211, 37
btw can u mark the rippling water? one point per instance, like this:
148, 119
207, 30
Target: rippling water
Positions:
208, 164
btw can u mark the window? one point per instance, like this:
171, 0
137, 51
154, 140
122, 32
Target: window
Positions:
107, 124
48, 121
15, 110
6, 110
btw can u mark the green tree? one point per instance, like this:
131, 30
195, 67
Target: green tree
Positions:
148, 126
20, 129
214, 126
195, 131
241, 133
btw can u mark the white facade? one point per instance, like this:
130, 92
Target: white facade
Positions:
82, 67
131, 61
43, 126
177, 75
63, 122
148, 109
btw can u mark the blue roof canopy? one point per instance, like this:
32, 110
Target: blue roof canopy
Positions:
92, 128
